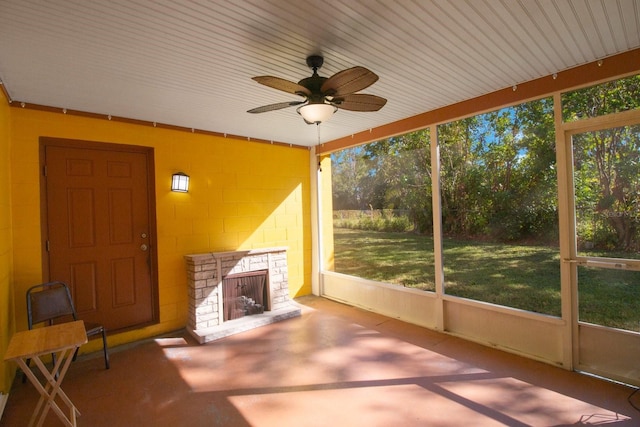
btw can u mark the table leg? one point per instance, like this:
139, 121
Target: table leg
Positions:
51, 388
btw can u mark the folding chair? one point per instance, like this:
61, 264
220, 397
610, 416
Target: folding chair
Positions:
52, 301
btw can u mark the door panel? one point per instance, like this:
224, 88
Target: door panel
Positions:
84, 297
80, 203
100, 232
608, 352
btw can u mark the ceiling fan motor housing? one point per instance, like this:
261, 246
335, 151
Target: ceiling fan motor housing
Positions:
315, 62
314, 84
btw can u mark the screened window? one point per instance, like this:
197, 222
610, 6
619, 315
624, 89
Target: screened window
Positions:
499, 208
607, 191
382, 211
606, 98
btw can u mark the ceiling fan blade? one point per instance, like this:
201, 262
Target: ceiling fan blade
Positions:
282, 84
359, 102
272, 107
348, 81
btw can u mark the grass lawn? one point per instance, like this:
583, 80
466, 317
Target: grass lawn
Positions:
519, 276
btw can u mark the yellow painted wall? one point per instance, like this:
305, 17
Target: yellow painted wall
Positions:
242, 195
7, 324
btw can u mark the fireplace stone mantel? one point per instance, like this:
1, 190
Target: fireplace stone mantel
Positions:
205, 273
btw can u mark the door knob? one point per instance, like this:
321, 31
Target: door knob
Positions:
144, 247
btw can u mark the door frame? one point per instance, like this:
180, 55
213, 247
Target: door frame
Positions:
148, 152
597, 362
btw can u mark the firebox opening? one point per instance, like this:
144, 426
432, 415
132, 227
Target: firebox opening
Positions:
245, 294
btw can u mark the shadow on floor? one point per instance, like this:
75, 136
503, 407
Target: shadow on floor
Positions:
333, 366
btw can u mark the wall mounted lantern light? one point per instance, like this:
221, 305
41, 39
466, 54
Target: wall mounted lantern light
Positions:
180, 182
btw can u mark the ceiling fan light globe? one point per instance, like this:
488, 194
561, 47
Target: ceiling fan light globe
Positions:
316, 113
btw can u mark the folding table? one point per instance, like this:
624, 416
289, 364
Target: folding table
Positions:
62, 339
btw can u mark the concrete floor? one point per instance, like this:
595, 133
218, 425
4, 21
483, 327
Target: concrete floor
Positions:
333, 366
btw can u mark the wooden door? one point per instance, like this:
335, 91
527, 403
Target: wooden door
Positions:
100, 231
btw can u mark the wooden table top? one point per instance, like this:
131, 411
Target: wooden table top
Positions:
48, 339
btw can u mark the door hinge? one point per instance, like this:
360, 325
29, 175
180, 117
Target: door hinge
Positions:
44, 170
46, 245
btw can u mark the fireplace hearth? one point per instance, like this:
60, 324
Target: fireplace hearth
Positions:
257, 295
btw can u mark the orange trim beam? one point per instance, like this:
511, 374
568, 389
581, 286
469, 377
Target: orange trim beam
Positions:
79, 113
616, 66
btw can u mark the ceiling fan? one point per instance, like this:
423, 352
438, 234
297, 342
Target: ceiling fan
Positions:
323, 96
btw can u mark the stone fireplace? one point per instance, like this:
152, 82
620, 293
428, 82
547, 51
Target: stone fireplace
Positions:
205, 276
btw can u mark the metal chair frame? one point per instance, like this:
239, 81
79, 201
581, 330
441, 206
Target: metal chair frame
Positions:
50, 301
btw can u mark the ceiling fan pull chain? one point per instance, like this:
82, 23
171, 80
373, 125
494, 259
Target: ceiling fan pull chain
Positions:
319, 163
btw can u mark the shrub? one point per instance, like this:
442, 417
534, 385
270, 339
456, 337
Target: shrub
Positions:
373, 221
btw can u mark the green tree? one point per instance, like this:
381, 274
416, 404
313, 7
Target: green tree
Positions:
351, 186
462, 187
607, 162
498, 175
403, 176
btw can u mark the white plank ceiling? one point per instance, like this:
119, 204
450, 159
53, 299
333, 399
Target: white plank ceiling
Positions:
189, 63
